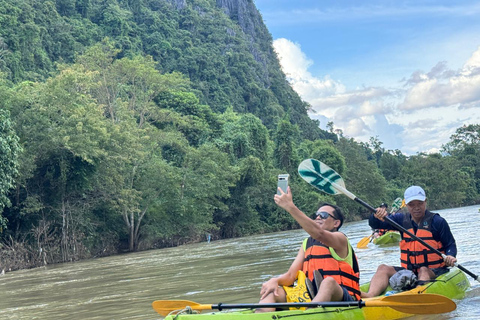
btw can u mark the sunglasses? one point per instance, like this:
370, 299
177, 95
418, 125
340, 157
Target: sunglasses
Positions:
324, 215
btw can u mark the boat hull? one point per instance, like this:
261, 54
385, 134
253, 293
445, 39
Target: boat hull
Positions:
387, 238
453, 285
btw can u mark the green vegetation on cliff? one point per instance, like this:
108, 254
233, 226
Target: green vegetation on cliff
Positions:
129, 125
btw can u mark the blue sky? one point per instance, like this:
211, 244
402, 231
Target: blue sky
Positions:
406, 72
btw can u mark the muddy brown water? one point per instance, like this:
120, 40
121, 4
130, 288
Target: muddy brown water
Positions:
227, 271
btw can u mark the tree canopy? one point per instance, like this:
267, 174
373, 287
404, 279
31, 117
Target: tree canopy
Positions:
131, 125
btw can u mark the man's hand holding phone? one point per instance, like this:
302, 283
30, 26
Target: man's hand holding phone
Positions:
282, 182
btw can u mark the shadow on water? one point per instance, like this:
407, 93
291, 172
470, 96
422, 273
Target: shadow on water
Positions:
228, 271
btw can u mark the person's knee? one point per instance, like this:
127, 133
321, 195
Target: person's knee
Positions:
281, 297
328, 282
386, 269
329, 290
425, 273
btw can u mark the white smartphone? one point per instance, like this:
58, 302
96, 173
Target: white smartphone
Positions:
282, 182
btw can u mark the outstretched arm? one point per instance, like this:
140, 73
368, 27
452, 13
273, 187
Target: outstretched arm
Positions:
336, 240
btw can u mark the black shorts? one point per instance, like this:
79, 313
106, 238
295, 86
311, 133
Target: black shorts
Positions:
346, 295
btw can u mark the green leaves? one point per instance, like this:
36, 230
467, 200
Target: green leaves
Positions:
9, 153
157, 150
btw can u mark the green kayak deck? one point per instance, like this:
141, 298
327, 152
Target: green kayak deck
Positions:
387, 238
453, 285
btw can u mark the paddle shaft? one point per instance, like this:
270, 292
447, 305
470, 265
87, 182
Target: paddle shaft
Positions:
401, 228
287, 305
362, 244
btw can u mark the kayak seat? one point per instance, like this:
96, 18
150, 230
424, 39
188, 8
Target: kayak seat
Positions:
313, 287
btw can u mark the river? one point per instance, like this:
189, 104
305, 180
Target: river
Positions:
227, 271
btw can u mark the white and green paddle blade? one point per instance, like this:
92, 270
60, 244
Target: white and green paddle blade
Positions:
396, 205
322, 177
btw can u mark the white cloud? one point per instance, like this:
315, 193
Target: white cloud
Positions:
401, 117
351, 111
442, 87
473, 62
295, 65
294, 62
349, 98
356, 127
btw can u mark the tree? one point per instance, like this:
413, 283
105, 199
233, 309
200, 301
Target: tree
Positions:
205, 188
391, 164
243, 135
375, 145
63, 132
9, 152
464, 146
445, 183
362, 177
286, 138
127, 89
325, 151
464, 137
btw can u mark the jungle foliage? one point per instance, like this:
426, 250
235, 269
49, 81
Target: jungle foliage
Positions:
131, 125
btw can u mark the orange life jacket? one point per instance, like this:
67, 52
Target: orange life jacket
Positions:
318, 257
414, 254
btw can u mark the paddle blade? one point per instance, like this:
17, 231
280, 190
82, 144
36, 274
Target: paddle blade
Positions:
396, 205
424, 303
164, 307
320, 176
362, 244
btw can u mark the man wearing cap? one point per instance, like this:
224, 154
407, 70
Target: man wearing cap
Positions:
428, 226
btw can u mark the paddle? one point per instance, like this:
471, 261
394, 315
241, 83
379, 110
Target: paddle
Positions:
362, 244
424, 303
327, 180
396, 205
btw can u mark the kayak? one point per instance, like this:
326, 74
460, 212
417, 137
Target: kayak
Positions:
388, 237
453, 285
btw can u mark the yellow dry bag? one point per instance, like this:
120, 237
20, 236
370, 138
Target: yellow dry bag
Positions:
299, 292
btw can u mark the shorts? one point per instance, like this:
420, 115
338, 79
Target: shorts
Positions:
346, 295
436, 271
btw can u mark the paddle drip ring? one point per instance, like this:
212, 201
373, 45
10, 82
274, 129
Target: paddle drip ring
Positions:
186, 310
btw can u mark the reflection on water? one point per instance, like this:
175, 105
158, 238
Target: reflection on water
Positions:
228, 271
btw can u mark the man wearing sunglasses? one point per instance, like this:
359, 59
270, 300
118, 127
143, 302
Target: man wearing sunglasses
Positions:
326, 258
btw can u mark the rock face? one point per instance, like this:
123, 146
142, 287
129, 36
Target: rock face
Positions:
248, 18
246, 14
178, 4
243, 11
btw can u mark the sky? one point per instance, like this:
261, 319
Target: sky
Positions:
404, 72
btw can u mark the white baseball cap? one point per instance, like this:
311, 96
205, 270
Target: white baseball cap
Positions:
414, 193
